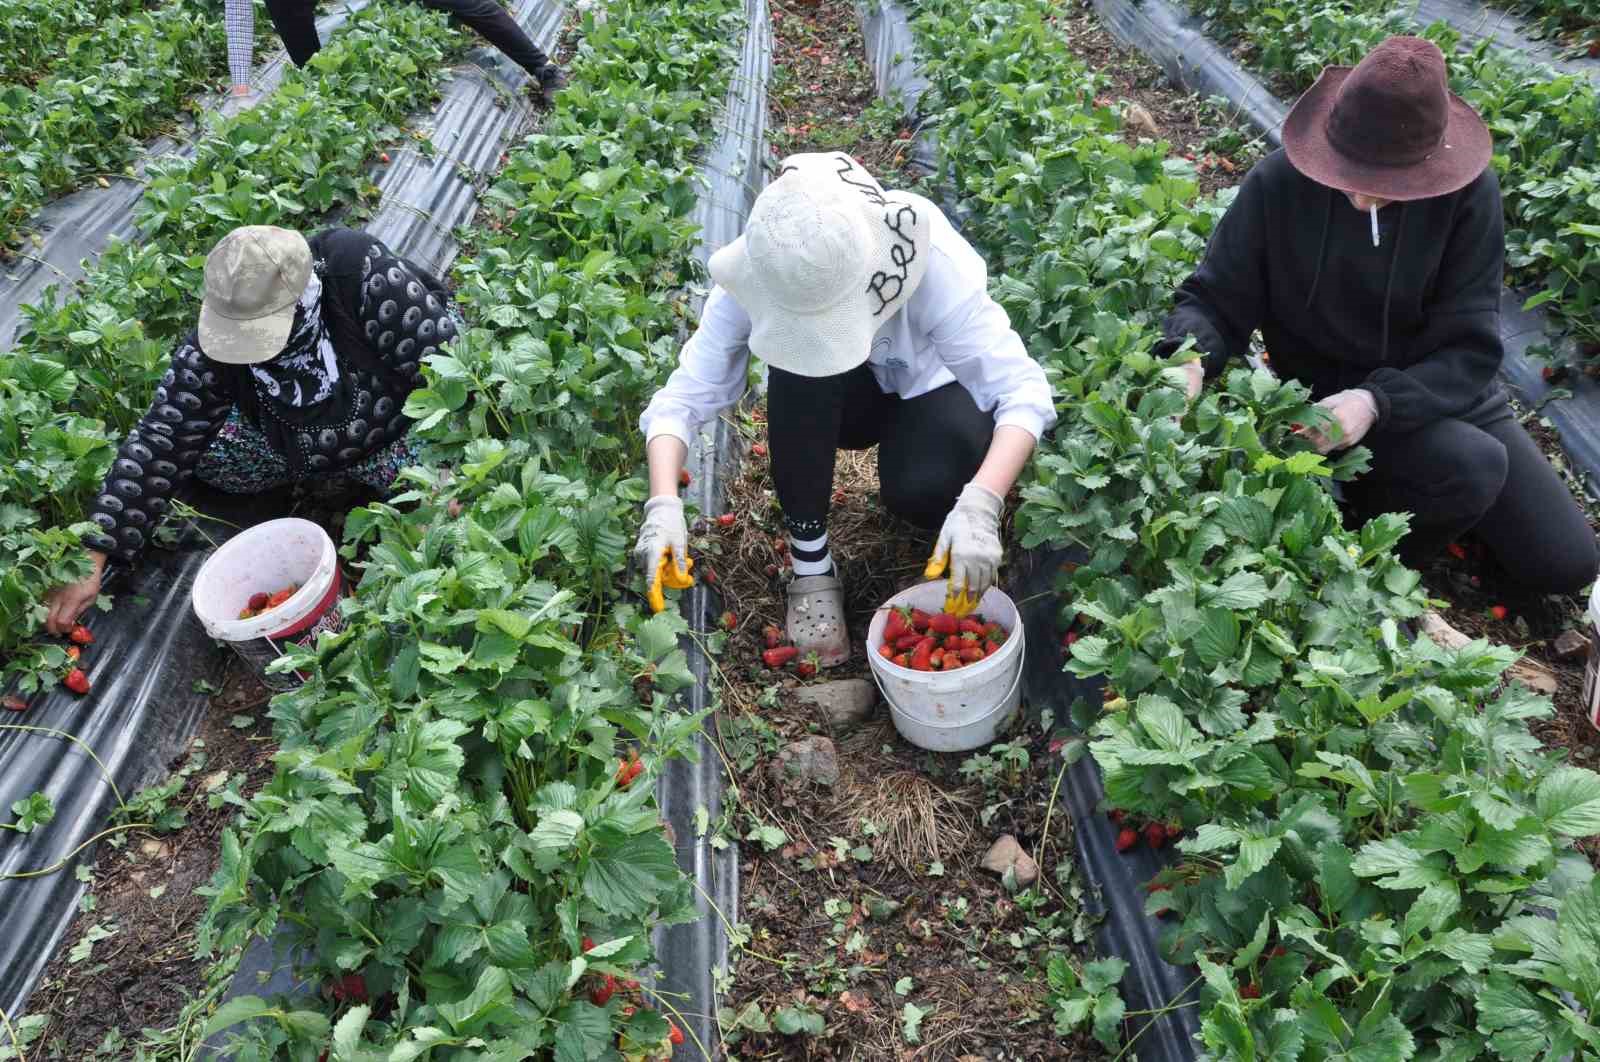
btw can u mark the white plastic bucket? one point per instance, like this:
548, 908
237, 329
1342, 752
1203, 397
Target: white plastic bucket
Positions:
951, 711
1591, 667
265, 559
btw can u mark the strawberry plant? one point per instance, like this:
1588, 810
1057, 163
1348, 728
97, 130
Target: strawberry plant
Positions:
1368, 829
463, 812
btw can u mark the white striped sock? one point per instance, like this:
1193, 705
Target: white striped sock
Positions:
810, 555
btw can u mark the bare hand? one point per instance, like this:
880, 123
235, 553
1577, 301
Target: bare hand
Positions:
68, 603
1355, 411
1196, 378
241, 90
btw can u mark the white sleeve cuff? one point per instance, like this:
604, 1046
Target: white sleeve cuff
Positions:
1030, 421
666, 424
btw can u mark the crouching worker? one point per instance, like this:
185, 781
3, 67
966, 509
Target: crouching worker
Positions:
299, 369
1369, 251
875, 323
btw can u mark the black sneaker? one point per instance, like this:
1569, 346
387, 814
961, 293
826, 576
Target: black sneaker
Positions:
552, 79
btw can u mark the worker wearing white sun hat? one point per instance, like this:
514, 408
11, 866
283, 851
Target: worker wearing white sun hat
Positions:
873, 317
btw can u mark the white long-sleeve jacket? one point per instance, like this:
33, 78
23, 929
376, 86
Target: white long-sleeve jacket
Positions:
950, 329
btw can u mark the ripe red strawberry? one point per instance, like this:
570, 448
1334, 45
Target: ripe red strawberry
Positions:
588, 943
1250, 991
920, 619
1278, 952
727, 519
674, 1034
807, 667
629, 769
1115, 815
886, 651
943, 624
780, 656
629, 985
1457, 550
1548, 372
758, 449
903, 660
601, 993
971, 654
952, 644
73, 652
773, 635
908, 641
897, 624
922, 655
730, 621
683, 477
1499, 612
383, 157
1127, 839
1068, 639
1155, 834
76, 681
971, 625
351, 988
709, 574
81, 635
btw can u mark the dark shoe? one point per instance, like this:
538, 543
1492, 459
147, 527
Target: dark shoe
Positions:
552, 79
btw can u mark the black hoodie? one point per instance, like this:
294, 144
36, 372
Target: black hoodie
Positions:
1415, 320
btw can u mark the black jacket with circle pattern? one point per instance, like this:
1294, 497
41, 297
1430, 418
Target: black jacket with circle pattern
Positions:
384, 315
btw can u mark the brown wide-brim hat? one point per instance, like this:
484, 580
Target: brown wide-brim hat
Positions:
1389, 127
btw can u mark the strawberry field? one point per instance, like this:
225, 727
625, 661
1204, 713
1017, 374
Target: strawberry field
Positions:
481, 829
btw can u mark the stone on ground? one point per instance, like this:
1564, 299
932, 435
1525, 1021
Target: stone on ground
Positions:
811, 759
1006, 854
843, 702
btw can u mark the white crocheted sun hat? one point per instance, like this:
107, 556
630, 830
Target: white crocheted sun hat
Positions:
826, 258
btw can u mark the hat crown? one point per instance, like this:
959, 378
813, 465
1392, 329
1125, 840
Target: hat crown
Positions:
256, 270
1394, 107
807, 251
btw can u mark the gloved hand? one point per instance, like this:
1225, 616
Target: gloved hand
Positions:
664, 533
1355, 410
1196, 372
969, 542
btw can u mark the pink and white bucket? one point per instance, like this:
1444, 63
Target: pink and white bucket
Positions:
265, 559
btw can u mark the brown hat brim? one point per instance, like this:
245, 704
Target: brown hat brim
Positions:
1462, 155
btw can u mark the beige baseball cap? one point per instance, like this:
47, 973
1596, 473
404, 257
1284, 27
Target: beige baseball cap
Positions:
254, 276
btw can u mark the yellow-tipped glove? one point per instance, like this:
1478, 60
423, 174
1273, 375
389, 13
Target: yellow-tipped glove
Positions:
969, 547
663, 537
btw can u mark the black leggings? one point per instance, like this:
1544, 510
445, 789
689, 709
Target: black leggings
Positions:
1481, 472
295, 21
929, 447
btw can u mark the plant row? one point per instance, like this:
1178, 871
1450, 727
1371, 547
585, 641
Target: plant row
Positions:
1372, 836
83, 370
115, 86
1572, 22
1547, 144
33, 33
461, 838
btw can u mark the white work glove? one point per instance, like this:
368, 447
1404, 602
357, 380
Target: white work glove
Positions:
1196, 373
663, 528
970, 539
1355, 410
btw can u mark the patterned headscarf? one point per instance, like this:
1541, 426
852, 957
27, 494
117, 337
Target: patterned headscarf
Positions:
305, 371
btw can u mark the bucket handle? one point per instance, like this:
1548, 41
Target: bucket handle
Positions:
878, 682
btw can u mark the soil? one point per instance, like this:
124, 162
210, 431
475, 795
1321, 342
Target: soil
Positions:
127, 962
871, 897
1219, 142
822, 97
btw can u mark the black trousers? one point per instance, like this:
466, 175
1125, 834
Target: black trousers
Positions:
929, 447
1481, 472
296, 23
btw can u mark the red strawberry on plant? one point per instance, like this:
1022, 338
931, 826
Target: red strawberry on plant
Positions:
351, 988
1457, 550
1250, 991
674, 1034
1115, 815
76, 681
730, 621
629, 985
1155, 834
1067, 640
1499, 612
73, 652
81, 635
1127, 838
601, 993
683, 477
588, 943
779, 657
